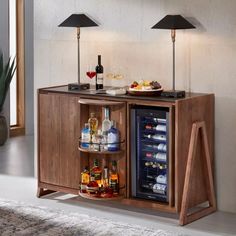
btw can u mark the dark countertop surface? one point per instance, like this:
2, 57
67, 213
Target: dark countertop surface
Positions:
97, 93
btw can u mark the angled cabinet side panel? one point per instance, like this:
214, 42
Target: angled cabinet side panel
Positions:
188, 111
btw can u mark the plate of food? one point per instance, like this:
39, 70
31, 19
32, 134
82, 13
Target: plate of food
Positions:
145, 88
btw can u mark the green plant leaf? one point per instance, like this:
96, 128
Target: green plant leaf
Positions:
6, 74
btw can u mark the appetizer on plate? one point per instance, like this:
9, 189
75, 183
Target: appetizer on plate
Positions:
144, 85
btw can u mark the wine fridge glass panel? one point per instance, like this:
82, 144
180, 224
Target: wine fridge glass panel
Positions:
150, 153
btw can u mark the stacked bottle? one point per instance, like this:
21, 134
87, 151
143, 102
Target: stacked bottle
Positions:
105, 139
99, 181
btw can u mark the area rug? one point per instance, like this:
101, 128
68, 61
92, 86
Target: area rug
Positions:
22, 219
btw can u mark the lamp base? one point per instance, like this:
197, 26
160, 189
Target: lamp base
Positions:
173, 94
76, 86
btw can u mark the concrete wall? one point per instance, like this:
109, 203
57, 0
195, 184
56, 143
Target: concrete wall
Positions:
205, 57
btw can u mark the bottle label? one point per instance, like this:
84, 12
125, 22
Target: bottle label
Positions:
97, 176
114, 185
99, 78
113, 140
85, 139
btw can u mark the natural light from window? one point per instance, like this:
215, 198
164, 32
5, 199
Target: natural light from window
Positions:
13, 86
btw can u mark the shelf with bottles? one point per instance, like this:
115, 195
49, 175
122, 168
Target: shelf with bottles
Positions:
101, 135
98, 183
101, 147
154, 180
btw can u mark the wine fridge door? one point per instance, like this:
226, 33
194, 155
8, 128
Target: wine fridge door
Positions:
149, 152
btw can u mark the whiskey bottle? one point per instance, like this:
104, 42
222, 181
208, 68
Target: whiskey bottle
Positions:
96, 172
105, 179
114, 178
84, 179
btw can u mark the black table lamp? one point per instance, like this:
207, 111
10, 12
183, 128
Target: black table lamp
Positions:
78, 21
173, 22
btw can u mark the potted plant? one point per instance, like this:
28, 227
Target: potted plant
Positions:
7, 71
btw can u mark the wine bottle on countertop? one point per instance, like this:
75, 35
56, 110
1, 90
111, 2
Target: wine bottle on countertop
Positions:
99, 74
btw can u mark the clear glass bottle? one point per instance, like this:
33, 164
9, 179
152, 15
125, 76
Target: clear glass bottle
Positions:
97, 141
85, 136
113, 138
114, 178
93, 124
96, 172
106, 125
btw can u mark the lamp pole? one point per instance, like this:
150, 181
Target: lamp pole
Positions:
173, 34
78, 39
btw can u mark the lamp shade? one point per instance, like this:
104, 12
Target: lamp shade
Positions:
173, 22
78, 20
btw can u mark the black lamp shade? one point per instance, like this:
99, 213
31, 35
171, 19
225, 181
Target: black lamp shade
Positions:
173, 22
78, 20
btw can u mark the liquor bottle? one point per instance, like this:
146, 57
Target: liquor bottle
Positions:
84, 179
113, 138
85, 136
96, 172
93, 124
92, 186
105, 179
113, 178
97, 141
106, 125
99, 74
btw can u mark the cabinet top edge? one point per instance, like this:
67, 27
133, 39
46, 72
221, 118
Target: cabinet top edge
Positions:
63, 89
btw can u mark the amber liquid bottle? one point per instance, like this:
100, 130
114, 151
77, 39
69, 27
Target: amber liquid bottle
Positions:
84, 179
96, 172
114, 178
93, 124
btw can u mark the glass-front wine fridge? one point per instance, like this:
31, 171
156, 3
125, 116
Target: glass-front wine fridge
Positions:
149, 152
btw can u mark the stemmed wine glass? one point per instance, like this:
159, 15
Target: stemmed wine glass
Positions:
90, 72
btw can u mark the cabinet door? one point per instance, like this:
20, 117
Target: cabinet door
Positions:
58, 140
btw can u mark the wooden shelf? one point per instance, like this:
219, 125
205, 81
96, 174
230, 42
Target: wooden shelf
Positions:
99, 102
97, 152
98, 198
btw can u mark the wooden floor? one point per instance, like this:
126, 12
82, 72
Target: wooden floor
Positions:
16, 166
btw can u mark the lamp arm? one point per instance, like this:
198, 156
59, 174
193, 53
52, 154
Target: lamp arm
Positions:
78, 39
173, 35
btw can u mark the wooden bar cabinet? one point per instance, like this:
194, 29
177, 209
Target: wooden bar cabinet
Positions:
62, 114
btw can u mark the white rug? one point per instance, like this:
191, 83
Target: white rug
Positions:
27, 220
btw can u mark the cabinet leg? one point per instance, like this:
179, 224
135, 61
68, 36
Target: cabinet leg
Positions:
42, 192
186, 218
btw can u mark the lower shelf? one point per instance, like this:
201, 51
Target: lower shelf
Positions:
99, 198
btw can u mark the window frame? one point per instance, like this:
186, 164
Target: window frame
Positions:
19, 128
